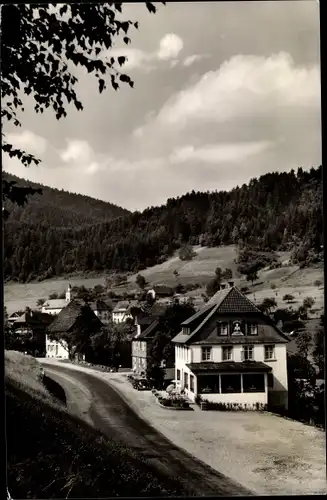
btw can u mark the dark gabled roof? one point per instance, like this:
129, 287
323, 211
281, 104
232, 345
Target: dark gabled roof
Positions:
149, 332
144, 320
33, 318
74, 313
231, 300
229, 367
99, 305
228, 301
126, 305
158, 310
197, 316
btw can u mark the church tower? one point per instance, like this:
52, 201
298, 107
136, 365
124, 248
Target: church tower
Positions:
69, 293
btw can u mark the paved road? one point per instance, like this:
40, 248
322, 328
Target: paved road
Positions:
111, 414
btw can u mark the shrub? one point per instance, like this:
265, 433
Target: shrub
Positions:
198, 399
186, 252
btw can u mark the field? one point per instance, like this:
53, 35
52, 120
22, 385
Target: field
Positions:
51, 454
287, 279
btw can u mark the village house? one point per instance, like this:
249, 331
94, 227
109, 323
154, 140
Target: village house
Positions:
125, 309
230, 352
76, 315
32, 326
160, 291
146, 329
102, 310
12, 318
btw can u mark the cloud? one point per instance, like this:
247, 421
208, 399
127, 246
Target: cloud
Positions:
219, 153
77, 152
244, 86
170, 46
188, 61
28, 141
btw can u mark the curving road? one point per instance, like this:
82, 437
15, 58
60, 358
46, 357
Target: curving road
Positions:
108, 411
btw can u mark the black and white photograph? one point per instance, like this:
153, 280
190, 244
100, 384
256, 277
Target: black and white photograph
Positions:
162, 249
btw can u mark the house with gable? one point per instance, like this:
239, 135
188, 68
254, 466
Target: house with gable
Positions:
230, 352
76, 315
125, 309
147, 327
160, 291
102, 310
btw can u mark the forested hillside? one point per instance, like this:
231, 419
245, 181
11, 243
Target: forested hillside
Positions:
276, 211
59, 208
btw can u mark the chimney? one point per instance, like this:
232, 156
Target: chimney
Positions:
231, 284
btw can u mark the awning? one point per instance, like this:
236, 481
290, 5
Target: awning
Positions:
228, 367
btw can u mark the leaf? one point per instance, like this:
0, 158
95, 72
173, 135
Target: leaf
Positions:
101, 85
127, 40
124, 78
63, 10
121, 60
151, 8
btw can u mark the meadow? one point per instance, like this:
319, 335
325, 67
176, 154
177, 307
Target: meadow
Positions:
288, 279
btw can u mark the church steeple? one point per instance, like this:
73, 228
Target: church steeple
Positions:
69, 293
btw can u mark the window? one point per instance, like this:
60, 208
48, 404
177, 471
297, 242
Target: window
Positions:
270, 380
269, 352
186, 331
247, 353
206, 353
208, 384
186, 380
230, 383
252, 329
192, 383
227, 353
253, 382
56, 349
222, 327
178, 374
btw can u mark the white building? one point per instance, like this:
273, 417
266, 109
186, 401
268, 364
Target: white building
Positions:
73, 317
230, 352
123, 310
55, 306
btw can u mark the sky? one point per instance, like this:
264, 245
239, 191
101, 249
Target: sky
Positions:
223, 92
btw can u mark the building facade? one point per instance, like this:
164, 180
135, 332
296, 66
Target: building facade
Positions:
230, 352
75, 317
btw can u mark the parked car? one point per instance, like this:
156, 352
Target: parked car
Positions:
141, 385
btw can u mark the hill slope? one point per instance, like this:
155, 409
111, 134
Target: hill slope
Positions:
278, 211
60, 208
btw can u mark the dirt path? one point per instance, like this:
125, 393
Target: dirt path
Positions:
110, 413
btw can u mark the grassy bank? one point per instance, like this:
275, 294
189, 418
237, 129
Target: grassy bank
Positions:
51, 454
